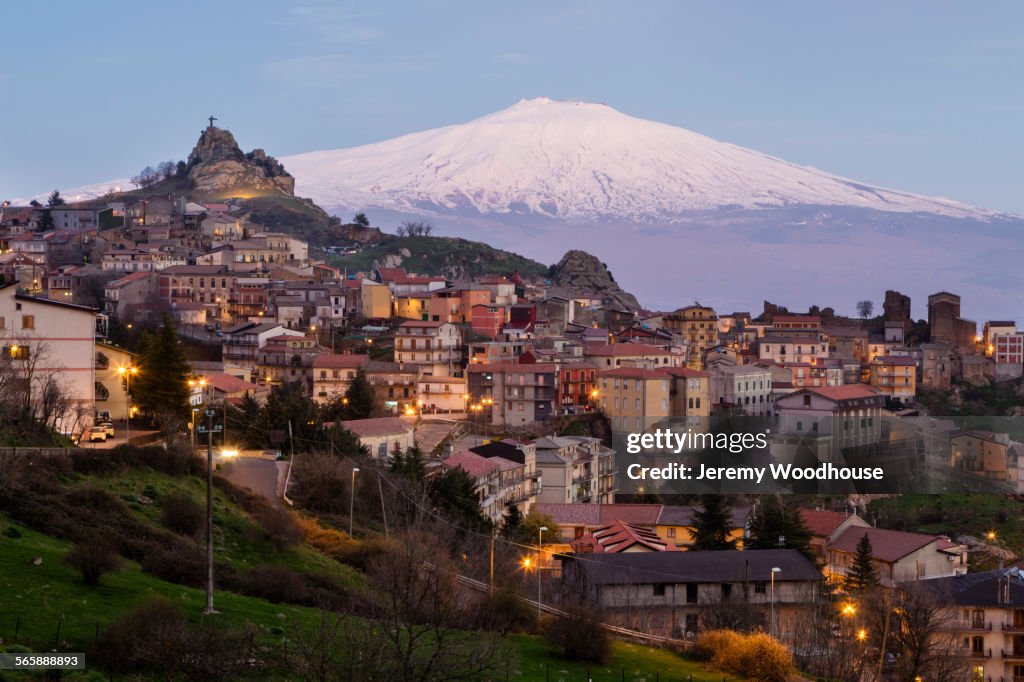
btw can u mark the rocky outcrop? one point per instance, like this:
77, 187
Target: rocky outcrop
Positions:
217, 164
360, 233
582, 272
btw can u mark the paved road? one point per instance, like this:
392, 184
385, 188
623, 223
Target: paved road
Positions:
262, 476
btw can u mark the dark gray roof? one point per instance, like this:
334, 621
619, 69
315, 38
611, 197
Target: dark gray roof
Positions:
682, 515
978, 589
696, 567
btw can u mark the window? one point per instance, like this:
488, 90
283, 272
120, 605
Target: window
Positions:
3, 324
18, 352
978, 645
382, 450
691, 593
659, 590
761, 588
671, 532
28, 322
807, 401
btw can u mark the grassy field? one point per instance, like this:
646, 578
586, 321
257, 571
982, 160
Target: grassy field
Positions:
47, 607
237, 538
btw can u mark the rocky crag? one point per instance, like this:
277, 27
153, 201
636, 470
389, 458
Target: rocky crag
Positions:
582, 272
217, 165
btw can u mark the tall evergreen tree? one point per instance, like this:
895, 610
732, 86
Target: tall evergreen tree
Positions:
778, 525
512, 521
454, 494
161, 385
862, 575
409, 464
360, 397
712, 524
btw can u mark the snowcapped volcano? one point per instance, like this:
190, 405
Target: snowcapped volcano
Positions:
579, 161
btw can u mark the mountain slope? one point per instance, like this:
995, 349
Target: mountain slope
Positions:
578, 161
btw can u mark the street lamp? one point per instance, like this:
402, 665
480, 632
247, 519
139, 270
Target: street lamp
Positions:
127, 373
352, 500
540, 545
775, 569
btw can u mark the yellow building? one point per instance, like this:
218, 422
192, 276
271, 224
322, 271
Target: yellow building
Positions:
690, 391
634, 398
413, 306
698, 325
376, 300
895, 377
676, 525
982, 453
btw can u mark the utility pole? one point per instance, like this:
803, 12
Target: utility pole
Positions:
209, 510
492, 563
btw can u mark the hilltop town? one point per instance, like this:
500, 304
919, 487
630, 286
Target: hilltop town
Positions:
520, 379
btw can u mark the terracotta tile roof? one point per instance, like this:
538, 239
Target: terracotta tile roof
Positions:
623, 349
845, 392
565, 514
379, 426
512, 368
618, 536
886, 545
472, 463
228, 383
822, 522
635, 373
335, 361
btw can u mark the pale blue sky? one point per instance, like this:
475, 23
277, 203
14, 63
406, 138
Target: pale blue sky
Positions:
922, 96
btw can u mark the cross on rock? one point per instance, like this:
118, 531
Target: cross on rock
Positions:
212, 119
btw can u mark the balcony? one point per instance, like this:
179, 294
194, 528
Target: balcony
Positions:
1012, 627
983, 653
1013, 655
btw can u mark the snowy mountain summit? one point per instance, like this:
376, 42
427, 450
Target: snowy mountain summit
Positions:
579, 161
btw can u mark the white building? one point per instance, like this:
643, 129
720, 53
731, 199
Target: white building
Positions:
746, 387
436, 347
46, 344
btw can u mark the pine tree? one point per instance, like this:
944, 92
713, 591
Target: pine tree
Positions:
161, 386
778, 525
361, 400
862, 575
455, 496
713, 524
409, 464
512, 521
361, 219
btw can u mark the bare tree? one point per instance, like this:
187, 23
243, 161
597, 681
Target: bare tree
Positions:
415, 228
830, 644
914, 623
865, 308
425, 615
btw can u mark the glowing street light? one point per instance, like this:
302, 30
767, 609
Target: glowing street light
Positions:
990, 536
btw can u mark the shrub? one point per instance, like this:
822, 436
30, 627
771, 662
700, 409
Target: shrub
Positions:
150, 635
276, 584
505, 612
327, 540
712, 643
579, 634
757, 655
364, 553
181, 562
278, 525
93, 557
181, 514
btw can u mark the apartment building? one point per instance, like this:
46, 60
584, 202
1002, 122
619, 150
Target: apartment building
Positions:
514, 394
895, 377
634, 398
575, 469
747, 388
435, 347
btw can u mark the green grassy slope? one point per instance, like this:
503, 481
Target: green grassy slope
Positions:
443, 255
